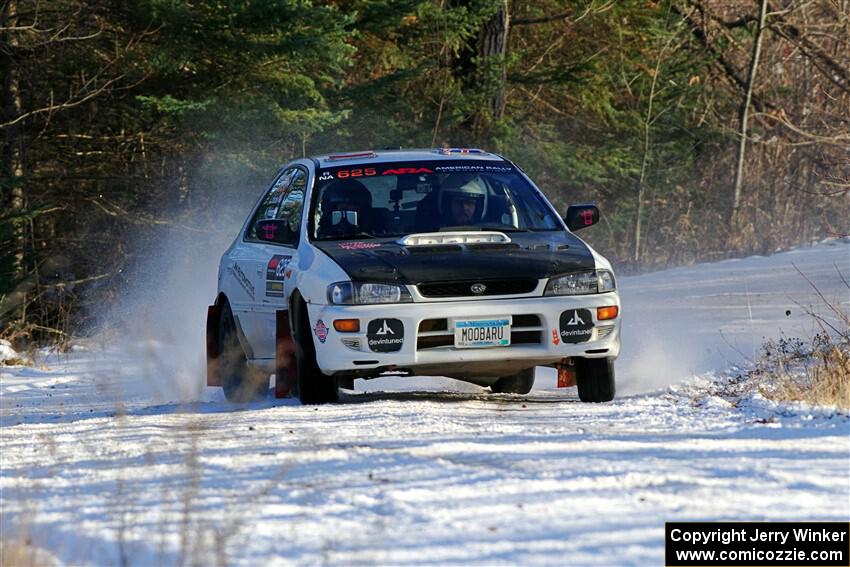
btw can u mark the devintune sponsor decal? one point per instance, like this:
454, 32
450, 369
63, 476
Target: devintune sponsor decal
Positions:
385, 335
576, 325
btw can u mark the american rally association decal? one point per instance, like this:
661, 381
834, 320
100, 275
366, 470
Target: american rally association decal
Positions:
407, 171
385, 335
576, 325
275, 274
321, 331
472, 168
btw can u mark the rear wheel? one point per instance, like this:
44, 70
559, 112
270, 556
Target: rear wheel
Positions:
313, 386
595, 379
240, 382
519, 383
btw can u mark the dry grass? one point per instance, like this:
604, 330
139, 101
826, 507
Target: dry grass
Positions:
15, 553
188, 532
816, 371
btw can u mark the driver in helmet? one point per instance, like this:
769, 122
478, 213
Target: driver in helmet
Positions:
462, 199
345, 206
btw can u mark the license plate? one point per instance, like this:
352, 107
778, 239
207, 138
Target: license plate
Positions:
482, 333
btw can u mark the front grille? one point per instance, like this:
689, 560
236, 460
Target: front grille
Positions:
526, 321
435, 333
429, 325
424, 343
464, 288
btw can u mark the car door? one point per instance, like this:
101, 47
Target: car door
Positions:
266, 263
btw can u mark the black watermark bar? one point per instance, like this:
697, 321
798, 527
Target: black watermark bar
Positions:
762, 544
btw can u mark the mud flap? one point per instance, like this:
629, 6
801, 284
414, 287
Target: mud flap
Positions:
566, 373
284, 356
213, 317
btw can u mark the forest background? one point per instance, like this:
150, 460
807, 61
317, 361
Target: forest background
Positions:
704, 129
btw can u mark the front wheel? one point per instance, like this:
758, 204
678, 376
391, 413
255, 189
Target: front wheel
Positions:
313, 386
595, 379
519, 383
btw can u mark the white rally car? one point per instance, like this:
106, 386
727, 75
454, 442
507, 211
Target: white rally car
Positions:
446, 262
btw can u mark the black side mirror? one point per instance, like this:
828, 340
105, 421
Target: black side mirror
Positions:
581, 216
275, 230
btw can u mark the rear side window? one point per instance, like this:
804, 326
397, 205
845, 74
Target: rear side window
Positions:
283, 201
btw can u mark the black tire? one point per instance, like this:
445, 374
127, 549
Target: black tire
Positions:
519, 383
312, 386
595, 379
240, 382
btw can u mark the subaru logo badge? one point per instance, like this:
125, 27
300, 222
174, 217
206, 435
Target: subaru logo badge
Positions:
478, 288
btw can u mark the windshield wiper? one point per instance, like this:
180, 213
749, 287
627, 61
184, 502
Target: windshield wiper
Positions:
478, 227
503, 228
348, 236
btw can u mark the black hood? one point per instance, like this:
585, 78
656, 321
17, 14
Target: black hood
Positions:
529, 255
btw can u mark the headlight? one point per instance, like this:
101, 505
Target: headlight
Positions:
606, 281
582, 283
350, 293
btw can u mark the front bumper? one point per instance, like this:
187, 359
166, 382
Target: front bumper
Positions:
423, 350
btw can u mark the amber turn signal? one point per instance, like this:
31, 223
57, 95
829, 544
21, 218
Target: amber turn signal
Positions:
605, 313
347, 325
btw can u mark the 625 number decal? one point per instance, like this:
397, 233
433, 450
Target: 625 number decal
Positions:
365, 172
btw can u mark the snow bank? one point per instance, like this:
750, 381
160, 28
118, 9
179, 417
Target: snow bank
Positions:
690, 320
8, 355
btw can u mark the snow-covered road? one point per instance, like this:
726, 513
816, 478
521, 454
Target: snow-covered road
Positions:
100, 464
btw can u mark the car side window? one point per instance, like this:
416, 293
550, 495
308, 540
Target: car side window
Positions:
284, 201
292, 206
533, 212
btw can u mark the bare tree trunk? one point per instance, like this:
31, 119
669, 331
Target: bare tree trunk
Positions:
182, 182
473, 66
12, 168
644, 164
493, 42
745, 109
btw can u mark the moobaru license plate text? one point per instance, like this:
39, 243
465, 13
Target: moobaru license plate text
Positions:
473, 333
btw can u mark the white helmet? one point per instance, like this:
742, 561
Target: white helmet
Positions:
467, 184
463, 185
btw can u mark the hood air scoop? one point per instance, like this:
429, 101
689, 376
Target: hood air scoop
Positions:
442, 238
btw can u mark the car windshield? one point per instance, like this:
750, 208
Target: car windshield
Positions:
396, 199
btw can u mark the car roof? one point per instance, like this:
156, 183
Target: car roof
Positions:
393, 155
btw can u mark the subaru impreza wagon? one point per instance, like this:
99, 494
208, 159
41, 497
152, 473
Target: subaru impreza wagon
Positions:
446, 262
